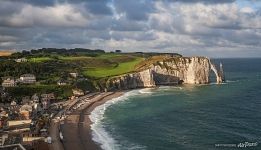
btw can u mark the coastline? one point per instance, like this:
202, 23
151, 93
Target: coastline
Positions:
77, 130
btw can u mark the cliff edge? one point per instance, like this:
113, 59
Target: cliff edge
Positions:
166, 70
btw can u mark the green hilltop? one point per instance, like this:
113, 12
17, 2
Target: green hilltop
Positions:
51, 66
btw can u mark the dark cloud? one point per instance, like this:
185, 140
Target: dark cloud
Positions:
127, 25
134, 10
93, 6
35, 2
41, 2
98, 7
7, 8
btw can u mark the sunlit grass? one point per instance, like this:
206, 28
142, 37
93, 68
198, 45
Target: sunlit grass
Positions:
122, 68
40, 59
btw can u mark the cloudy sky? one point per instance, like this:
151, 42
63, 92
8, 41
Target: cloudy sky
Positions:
215, 28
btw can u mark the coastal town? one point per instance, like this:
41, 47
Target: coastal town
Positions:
41, 112
41, 122
26, 124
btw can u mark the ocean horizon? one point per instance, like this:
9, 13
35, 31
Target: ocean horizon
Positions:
212, 116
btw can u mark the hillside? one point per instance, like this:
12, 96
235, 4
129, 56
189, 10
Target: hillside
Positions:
51, 66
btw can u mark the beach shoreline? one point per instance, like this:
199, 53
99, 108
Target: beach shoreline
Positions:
76, 128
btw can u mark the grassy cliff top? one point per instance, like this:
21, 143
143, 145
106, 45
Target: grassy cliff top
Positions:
92, 68
155, 60
95, 66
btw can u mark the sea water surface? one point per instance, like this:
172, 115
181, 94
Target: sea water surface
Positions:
187, 117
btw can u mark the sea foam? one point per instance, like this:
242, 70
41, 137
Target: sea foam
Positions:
99, 134
231, 81
146, 91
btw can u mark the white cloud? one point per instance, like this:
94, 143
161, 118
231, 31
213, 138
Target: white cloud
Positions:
58, 15
247, 10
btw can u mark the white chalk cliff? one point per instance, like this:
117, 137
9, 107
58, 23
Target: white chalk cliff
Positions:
170, 71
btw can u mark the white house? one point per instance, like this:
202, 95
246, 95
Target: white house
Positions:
27, 78
9, 83
21, 60
74, 74
13, 103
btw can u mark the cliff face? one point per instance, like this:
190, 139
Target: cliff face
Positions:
171, 71
131, 81
194, 70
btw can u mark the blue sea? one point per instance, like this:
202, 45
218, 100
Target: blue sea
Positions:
187, 117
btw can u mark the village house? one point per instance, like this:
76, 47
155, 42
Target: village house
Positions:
3, 118
25, 111
74, 74
13, 103
9, 83
78, 92
19, 60
26, 100
49, 96
3, 137
37, 107
13, 109
35, 103
35, 98
28, 78
61, 82
46, 100
45, 103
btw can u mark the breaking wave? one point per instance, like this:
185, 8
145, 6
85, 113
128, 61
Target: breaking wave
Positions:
218, 83
146, 91
99, 134
231, 81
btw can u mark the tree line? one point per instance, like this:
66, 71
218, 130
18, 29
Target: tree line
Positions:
60, 51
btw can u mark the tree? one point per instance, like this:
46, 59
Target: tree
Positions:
24, 52
16, 55
118, 51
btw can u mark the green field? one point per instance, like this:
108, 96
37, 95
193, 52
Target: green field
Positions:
71, 58
65, 58
68, 58
102, 65
40, 59
109, 55
121, 68
53, 67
